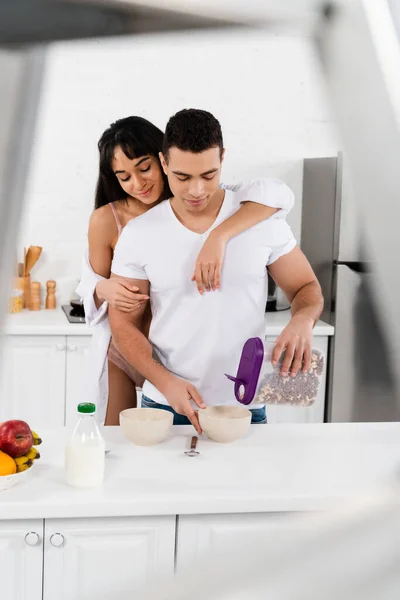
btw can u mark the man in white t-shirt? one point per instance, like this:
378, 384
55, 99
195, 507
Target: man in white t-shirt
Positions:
195, 339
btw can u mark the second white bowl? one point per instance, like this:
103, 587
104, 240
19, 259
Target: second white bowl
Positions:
225, 423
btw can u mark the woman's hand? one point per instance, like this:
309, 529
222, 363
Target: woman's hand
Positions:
120, 295
208, 267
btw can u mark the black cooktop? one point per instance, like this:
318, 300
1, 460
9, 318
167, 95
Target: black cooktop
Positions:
73, 314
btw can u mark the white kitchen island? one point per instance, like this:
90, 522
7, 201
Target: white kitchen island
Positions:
159, 509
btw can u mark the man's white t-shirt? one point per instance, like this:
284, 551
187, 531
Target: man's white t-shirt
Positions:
200, 337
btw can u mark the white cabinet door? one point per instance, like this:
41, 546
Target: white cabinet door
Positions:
106, 558
78, 352
21, 559
213, 536
303, 414
33, 380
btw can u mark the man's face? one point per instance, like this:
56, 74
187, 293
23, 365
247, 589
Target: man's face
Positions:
193, 178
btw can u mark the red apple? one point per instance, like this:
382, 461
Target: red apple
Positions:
15, 438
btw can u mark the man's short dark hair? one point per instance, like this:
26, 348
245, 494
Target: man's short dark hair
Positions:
192, 130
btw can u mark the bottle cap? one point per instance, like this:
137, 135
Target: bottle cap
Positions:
86, 408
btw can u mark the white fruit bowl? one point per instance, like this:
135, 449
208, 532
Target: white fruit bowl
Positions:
8, 481
225, 424
145, 426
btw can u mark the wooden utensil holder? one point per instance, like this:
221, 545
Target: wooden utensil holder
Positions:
24, 284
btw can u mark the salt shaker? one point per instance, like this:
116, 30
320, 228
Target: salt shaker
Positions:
35, 296
51, 294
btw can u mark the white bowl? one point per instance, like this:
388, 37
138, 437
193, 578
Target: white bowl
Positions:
225, 423
8, 481
145, 426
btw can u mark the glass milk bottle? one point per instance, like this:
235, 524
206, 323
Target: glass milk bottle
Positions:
85, 453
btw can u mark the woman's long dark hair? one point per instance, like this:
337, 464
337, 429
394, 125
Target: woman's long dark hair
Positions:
136, 137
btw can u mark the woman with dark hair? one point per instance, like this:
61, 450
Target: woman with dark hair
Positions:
131, 181
136, 137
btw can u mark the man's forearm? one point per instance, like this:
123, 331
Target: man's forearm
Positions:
137, 350
308, 302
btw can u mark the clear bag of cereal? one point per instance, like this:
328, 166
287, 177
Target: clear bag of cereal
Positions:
16, 302
257, 381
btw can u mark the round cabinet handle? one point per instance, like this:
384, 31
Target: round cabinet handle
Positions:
32, 538
60, 346
72, 347
57, 540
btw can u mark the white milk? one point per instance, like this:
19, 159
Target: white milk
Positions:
84, 462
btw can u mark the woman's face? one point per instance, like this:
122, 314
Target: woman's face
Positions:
140, 178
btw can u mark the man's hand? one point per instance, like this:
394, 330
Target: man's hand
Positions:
179, 392
296, 339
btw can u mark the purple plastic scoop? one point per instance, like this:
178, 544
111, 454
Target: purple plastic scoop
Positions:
248, 372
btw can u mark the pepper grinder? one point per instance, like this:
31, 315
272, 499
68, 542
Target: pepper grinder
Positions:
51, 294
35, 296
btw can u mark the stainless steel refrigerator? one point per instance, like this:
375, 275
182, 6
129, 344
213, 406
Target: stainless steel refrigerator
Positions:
360, 383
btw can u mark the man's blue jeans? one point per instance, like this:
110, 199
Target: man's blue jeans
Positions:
258, 414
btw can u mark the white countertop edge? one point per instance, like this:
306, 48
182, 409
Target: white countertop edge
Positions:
173, 507
68, 329
55, 322
181, 505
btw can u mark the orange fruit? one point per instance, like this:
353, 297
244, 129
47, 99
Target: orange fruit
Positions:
7, 464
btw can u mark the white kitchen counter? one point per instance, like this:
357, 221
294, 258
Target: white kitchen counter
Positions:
54, 322
275, 468
276, 321
43, 322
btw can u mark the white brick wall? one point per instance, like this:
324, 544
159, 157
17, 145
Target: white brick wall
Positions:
266, 91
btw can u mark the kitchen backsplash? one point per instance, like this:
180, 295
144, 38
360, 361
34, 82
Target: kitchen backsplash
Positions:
266, 91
